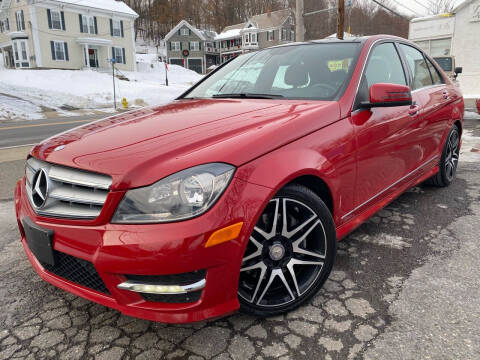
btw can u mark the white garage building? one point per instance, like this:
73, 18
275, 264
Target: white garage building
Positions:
456, 34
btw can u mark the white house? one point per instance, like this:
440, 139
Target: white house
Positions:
456, 34
67, 34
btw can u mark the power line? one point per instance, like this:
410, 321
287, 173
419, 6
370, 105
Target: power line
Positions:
388, 9
405, 7
419, 3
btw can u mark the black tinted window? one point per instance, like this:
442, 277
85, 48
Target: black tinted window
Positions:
418, 67
437, 79
384, 66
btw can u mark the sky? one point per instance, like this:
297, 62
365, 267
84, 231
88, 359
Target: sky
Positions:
415, 7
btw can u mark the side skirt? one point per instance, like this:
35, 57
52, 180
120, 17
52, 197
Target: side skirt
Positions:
356, 221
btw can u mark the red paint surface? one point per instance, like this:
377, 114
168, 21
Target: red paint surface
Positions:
366, 158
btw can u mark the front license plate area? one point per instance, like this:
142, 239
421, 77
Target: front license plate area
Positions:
40, 241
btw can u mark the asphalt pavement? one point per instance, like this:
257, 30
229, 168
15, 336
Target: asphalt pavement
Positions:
17, 133
405, 286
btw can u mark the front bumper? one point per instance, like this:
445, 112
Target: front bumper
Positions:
155, 249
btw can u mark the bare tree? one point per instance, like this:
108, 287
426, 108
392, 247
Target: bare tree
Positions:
440, 6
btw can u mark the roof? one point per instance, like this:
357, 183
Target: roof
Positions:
108, 5
432, 17
229, 34
200, 34
264, 21
461, 5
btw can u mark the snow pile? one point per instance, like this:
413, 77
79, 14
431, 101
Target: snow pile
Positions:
470, 150
31, 91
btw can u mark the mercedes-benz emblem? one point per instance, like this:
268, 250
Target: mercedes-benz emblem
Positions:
40, 188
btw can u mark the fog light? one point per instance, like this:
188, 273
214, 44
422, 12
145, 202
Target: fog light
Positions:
161, 289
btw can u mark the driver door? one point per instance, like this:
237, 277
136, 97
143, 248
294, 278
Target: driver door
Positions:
386, 136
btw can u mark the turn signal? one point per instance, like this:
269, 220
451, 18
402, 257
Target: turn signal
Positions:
223, 235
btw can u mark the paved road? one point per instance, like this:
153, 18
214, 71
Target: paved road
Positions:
31, 132
405, 286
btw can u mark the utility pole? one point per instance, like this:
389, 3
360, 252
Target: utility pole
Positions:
340, 19
300, 27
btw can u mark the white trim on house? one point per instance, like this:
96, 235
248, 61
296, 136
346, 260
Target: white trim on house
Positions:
180, 25
133, 47
93, 41
35, 36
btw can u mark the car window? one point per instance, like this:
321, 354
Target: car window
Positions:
384, 66
311, 71
418, 67
437, 78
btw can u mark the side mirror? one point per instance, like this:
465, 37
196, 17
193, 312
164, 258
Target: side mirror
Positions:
458, 70
388, 95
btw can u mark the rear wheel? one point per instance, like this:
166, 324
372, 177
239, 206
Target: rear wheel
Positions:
289, 255
448, 161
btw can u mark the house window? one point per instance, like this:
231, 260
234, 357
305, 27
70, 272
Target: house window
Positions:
15, 50
194, 45
292, 35
7, 24
119, 55
2, 29
175, 46
290, 20
88, 24
284, 34
247, 40
20, 20
116, 28
253, 38
59, 50
184, 31
270, 35
56, 19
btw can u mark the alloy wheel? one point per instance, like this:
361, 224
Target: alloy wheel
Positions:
451, 156
285, 254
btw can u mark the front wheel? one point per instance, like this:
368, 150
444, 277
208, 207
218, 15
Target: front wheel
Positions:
289, 255
448, 161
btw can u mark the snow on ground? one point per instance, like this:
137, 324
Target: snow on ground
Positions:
470, 150
24, 94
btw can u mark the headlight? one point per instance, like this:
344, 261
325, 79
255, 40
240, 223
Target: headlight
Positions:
180, 196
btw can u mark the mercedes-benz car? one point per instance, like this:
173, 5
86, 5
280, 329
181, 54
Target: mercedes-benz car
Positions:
234, 195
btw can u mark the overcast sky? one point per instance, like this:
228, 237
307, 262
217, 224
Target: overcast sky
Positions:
414, 7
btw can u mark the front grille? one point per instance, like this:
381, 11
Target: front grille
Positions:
76, 270
68, 192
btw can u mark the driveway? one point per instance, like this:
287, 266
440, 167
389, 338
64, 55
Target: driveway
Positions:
405, 286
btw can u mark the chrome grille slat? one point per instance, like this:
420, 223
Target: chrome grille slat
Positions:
79, 177
76, 194
72, 193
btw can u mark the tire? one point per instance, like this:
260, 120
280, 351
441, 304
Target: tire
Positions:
448, 161
285, 265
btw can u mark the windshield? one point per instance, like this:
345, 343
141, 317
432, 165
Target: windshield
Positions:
309, 71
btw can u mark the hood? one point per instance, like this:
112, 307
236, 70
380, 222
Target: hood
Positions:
140, 147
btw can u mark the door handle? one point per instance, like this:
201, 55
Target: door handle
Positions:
413, 110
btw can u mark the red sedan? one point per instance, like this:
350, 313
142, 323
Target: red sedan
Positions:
234, 195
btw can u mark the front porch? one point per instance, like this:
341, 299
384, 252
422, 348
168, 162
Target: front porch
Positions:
96, 55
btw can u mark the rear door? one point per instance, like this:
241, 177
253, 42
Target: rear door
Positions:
428, 87
386, 147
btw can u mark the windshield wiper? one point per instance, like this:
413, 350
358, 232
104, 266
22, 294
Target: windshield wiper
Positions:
247, 96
